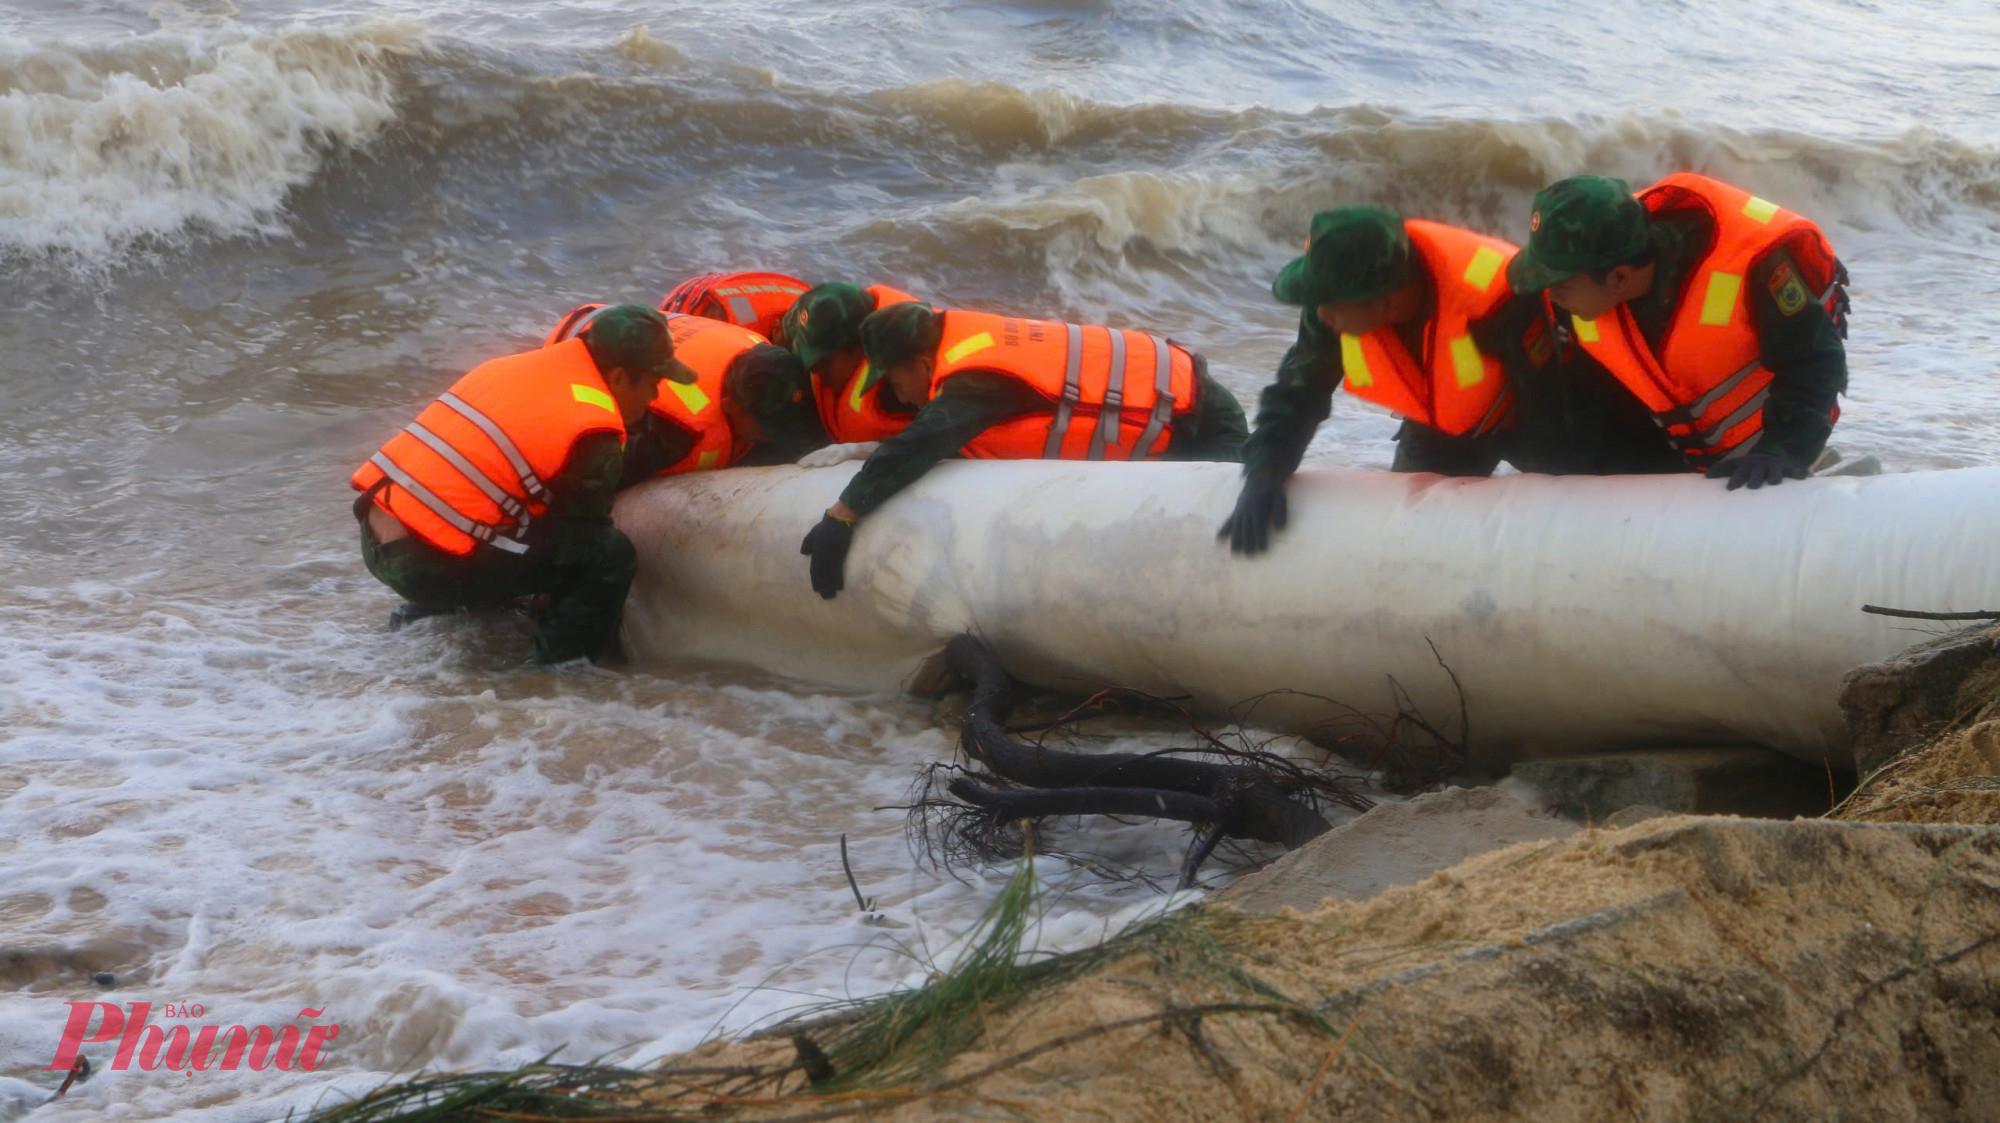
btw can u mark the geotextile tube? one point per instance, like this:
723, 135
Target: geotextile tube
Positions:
1575, 613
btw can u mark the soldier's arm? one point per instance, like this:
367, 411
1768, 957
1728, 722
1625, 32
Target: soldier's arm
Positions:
1798, 343
1291, 408
651, 445
1420, 448
966, 406
1215, 430
582, 492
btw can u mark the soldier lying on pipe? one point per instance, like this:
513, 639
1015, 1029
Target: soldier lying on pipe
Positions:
1001, 387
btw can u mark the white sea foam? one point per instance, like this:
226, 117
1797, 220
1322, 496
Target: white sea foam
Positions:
269, 809
163, 135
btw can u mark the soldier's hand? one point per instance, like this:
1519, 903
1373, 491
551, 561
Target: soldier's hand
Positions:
826, 544
1756, 469
1260, 509
831, 455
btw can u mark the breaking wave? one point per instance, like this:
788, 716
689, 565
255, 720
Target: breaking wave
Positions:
162, 138
103, 147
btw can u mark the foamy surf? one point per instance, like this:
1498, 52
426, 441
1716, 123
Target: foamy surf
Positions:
161, 137
267, 810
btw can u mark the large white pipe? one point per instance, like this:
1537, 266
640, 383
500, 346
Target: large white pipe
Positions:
1577, 612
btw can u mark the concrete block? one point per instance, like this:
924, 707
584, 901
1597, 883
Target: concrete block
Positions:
1394, 844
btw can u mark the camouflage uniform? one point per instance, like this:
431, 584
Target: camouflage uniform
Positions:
575, 555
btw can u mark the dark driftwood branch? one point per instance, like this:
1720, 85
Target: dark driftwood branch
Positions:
1246, 802
1913, 614
1011, 803
1204, 845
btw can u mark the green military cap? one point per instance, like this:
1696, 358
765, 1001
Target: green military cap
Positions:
1352, 253
1579, 225
825, 319
635, 337
898, 333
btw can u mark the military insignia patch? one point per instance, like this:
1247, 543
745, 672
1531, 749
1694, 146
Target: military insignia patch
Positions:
1788, 290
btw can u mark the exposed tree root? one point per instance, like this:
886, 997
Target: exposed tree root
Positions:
1246, 794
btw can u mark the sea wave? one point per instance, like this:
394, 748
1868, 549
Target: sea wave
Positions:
1255, 191
101, 147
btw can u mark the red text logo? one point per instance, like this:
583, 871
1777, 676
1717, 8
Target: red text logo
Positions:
210, 1047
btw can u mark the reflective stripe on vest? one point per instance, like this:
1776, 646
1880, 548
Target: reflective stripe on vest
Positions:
690, 394
507, 503
1114, 396
479, 532
530, 482
1163, 397
1720, 299
1485, 264
462, 474
858, 381
1072, 391
1136, 382
1353, 362
1466, 364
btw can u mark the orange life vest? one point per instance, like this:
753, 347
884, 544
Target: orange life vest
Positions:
1453, 387
708, 346
850, 414
1707, 387
1129, 385
749, 300
471, 467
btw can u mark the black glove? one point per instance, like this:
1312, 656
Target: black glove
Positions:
826, 544
1754, 470
1260, 509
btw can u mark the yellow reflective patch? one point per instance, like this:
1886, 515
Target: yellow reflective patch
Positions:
1353, 362
969, 346
859, 380
1723, 289
1586, 330
1485, 264
1466, 362
706, 459
591, 395
690, 395
1759, 210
